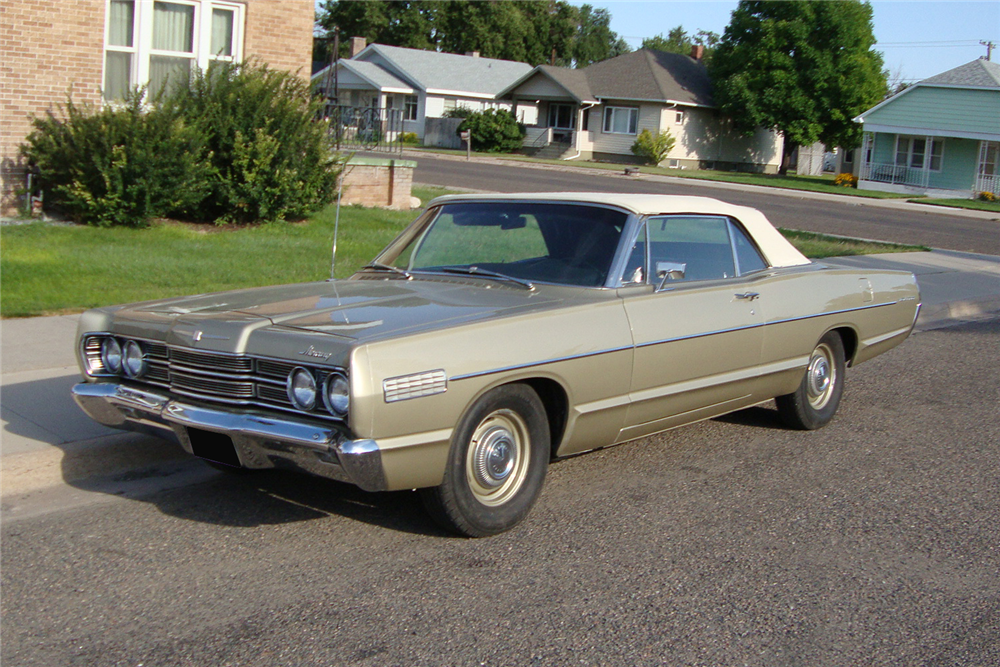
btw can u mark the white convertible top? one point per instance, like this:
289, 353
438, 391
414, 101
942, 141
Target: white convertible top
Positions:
777, 249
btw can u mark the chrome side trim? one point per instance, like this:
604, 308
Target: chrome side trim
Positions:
540, 363
675, 339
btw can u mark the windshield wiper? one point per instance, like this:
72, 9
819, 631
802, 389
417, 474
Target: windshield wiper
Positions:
378, 266
486, 273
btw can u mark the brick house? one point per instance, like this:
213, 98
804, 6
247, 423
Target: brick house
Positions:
100, 48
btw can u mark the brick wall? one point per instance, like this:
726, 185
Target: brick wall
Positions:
281, 34
47, 46
380, 182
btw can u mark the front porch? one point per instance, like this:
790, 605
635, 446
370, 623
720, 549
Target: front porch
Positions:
935, 166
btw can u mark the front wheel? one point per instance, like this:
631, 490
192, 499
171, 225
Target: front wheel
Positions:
496, 467
815, 402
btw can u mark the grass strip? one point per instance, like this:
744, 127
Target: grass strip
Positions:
973, 204
50, 269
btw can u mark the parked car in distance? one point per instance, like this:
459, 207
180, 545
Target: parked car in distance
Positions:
495, 333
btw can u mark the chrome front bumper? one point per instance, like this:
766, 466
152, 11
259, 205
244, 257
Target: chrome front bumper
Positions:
261, 440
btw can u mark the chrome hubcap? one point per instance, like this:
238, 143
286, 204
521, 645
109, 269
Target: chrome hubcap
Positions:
495, 456
820, 376
497, 461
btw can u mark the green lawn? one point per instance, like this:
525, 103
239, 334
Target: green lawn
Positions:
50, 269
974, 204
818, 246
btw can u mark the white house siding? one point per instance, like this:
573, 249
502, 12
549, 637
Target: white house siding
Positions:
541, 87
621, 144
706, 138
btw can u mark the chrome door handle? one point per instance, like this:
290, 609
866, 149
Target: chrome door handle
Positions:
749, 296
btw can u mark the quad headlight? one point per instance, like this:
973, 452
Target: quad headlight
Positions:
337, 394
133, 360
301, 388
111, 355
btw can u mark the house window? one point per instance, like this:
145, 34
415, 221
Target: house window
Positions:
849, 157
410, 110
679, 118
450, 104
990, 165
562, 116
160, 43
912, 152
621, 120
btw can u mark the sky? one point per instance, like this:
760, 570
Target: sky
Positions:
917, 38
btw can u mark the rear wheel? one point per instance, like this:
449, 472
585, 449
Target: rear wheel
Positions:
815, 402
496, 467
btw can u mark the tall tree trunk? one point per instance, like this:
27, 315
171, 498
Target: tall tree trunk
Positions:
787, 149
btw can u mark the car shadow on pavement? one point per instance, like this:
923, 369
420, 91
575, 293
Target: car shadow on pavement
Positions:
761, 416
270, 497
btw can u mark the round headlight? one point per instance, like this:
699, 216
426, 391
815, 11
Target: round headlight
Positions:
134, 360
337, 394
301, 388
111, 355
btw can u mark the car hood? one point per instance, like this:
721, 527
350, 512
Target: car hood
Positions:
356, 309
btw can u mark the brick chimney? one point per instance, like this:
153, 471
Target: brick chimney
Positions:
697, 51
358, 45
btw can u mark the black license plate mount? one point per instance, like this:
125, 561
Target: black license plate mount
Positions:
215, 447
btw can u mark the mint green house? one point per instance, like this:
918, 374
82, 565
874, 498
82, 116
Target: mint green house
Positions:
939, 137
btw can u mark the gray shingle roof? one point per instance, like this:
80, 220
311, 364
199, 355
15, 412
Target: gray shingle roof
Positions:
977, 74
450, 71
640, 75
651, 75
375, 74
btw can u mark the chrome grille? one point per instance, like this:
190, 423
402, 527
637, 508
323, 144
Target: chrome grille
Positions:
210, 387
211, 362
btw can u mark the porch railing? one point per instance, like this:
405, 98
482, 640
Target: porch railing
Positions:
896, 174
371, 129
537, 137
988, 184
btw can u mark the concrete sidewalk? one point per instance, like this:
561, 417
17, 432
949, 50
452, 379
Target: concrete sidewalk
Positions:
46, 441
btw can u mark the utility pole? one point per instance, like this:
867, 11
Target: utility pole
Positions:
989, 48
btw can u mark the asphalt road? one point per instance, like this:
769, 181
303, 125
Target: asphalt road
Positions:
873, 541
847, 218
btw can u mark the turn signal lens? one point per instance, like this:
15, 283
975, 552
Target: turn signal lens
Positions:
301, 389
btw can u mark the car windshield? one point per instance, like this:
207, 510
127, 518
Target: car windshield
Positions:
568, 244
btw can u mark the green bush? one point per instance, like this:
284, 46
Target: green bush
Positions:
653, 149
494, 131
270, 159
458, 112
117, 165
409, 138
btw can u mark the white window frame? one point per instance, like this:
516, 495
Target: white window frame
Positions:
930, 143
679, 117
411, 107
632, 123
142, 37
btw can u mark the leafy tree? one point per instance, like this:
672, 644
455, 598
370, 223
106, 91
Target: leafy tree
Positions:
595, 41
803, 68
531, 31
678, 41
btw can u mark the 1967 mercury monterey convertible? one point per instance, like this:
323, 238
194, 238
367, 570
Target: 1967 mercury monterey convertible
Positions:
495, 333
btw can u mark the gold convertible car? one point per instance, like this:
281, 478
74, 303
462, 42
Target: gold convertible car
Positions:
497, 332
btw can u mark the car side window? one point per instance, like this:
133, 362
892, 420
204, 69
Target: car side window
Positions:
683, 248
747, 255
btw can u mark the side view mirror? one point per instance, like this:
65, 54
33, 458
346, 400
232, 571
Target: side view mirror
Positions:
669, 271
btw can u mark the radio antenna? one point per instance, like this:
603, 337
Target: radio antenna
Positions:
336, 222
